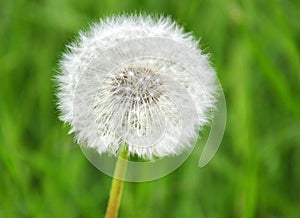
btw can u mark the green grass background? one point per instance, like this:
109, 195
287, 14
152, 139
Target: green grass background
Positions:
254, 47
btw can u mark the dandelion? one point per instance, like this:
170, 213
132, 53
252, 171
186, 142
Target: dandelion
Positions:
136, 86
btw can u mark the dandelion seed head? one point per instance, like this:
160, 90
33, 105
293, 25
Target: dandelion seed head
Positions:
114, 91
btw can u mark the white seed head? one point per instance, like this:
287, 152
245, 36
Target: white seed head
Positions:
139, 81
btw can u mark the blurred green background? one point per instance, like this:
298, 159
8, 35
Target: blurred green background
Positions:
254, 47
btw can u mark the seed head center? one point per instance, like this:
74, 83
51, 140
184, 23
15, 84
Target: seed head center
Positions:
137, 85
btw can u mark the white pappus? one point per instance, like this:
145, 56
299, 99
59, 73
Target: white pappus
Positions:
138, 81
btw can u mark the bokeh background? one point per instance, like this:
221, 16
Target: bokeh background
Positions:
254, 47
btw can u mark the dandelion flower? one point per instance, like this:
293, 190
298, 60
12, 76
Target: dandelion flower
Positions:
138, 81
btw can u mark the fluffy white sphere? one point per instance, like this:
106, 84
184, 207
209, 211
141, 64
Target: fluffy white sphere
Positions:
139, 82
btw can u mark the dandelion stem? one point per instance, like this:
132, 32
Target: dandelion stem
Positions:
117, 185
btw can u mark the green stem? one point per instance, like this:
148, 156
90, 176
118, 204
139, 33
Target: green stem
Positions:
117, 185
